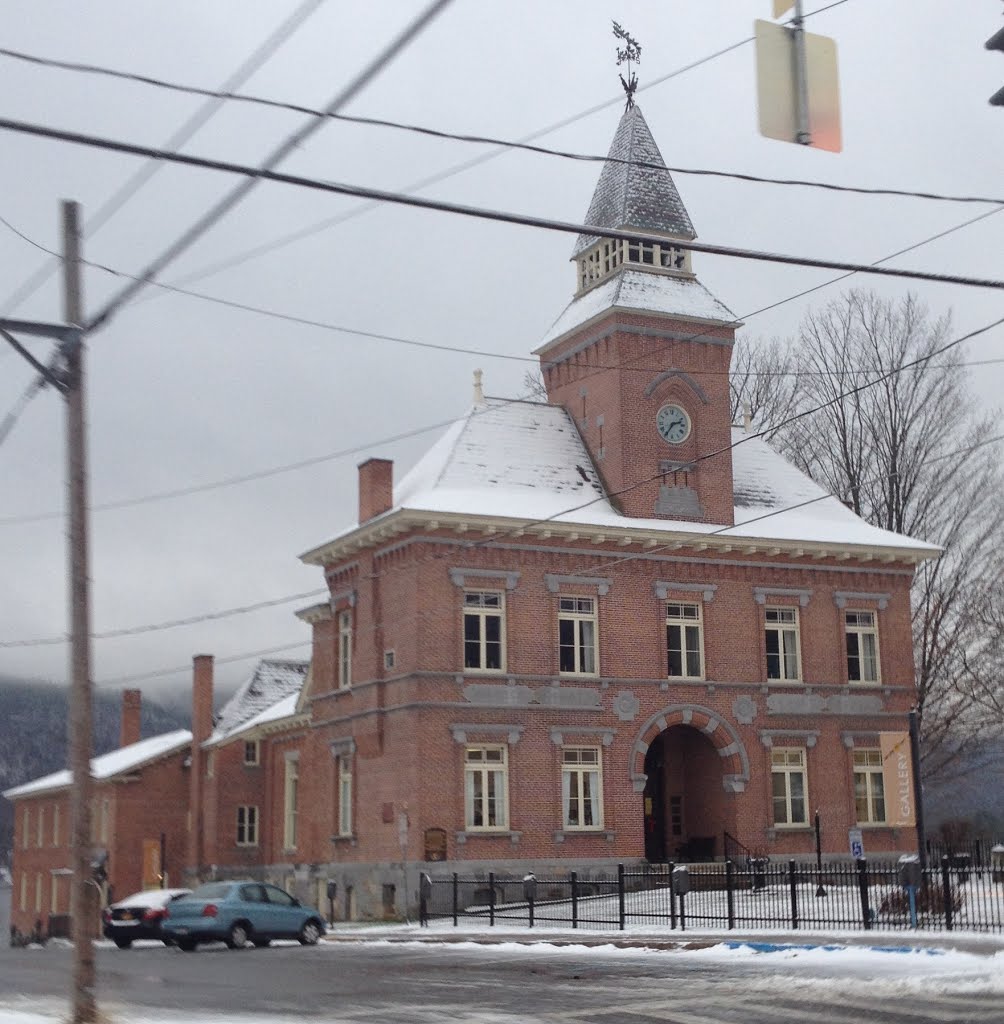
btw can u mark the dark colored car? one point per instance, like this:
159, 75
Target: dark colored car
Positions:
238, 913
139, 916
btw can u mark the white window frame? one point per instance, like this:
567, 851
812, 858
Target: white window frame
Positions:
25, 827
54, 894
787, 763
482, 612
38, 892
252, 747
247, 822
345, 795
486, 780
582, 615
345, 649
868, 773
581, 788
40, 828
784, 624
55, 824
858, 631
682, 623
290, 805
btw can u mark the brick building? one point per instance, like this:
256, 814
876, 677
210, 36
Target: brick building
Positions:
138, 825
605, 627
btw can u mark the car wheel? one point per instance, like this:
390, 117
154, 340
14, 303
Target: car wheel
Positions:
186, 945
310, 933
123, 943
238, 937
261, 943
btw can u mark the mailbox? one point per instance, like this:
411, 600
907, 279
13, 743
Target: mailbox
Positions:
332, 890
909, 871
681, 880
529, 887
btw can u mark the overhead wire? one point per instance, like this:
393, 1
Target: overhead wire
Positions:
136, 181
253, 175
266, 169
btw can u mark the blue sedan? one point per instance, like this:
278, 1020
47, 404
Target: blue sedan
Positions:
238, 913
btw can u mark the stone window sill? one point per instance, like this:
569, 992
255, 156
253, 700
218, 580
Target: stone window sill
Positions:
513, 837
352, 840
573, 833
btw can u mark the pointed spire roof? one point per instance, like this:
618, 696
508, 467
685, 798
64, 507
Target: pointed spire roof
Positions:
629, 196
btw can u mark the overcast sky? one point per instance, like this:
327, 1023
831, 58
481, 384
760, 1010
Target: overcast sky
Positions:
182, 392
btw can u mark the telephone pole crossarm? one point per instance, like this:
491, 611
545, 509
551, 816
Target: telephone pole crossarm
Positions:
47, 373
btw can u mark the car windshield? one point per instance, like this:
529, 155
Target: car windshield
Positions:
211, 891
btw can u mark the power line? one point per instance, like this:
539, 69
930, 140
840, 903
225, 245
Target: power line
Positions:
312, 229
255, 174
191, 126
267, 168
156, 627
228, 660
225, 94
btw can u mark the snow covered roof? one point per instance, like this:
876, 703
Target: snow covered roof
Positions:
273, 683
526, 461
629, 196
641, 291
117, 762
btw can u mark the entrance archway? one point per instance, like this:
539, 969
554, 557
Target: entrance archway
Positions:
687, 764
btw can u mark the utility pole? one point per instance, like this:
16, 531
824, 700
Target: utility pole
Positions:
83, 904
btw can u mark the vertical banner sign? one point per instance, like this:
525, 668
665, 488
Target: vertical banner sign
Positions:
897, 779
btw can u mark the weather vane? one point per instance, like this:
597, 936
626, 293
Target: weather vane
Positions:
631, 51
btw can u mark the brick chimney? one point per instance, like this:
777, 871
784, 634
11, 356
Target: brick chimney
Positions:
376, 488
129, 732
202, 726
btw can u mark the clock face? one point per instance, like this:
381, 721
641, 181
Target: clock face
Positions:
673, 424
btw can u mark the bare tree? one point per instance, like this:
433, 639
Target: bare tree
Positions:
533, 386
763, 383
905, 454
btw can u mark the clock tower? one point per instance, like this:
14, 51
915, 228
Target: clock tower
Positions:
640, 356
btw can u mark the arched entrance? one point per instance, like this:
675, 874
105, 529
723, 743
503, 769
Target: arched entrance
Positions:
684, 798
687, 763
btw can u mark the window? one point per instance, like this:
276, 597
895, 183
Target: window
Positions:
577, 636
54, 895
40, 827
25, 819
483, 646
781, 644
55, 825
247, 826
24, 891
105, 814
344, 796
38, 894
486, 784
344, 650
869, 787
581, 788
787, 768
862, 647
291, 788
252, 752
388, 659
684, 641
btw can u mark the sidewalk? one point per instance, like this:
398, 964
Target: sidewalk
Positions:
666, 939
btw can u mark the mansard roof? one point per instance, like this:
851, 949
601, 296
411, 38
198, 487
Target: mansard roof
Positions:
632, 196
525, 461
269, 694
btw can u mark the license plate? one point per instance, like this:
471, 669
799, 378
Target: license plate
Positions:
179, 931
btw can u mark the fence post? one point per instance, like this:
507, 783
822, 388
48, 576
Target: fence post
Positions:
730, 894
456, 897
866, 913
794, 894
491, 899
620, 895
946, 891
672, 897
574, 877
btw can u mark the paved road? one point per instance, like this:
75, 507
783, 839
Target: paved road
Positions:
362, 983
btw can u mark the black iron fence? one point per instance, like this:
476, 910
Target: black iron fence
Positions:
753, 894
